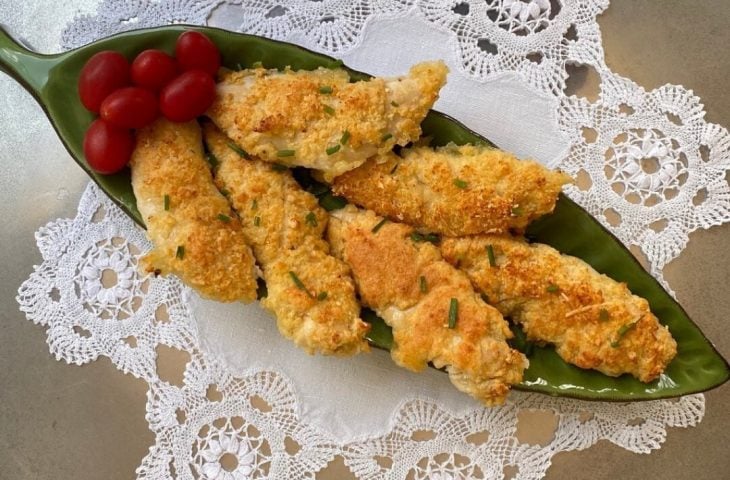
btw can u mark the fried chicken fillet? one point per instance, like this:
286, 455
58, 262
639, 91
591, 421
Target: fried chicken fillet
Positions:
318, 119
194, 233
310, 292
593, 321
415, 291
454, 190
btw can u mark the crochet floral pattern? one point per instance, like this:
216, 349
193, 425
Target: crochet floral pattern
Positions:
221, 425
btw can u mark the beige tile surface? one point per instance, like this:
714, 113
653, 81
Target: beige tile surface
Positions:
58, 421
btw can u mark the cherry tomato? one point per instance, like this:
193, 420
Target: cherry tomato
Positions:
188, 96
129, 107
153, 69
106, 147
195, 51
102, 74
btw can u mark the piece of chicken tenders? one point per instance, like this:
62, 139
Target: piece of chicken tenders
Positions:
435, 314
319, 119
310, 292
593, 321
454, 190
190, 224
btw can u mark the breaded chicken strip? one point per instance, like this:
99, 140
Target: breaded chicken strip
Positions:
435, 314
454, 190
593, 321
194, 233
310, 292
318, 119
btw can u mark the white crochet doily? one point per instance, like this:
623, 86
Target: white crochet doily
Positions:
266, 418
252, 406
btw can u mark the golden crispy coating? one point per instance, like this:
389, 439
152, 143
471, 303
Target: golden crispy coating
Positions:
284, 225
318, 119
594, 321
454, 190
412, 288
194, 233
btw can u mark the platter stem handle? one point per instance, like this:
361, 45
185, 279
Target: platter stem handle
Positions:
28, 68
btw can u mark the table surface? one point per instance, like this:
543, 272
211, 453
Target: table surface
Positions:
61, 421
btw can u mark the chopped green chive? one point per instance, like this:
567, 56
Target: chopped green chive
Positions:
433, 238
345, 137
395, 167
212, 160
427, 237
332, 150
331, 202
417, 237
311, 219
180, 252
166, 202
224, 218
300, 285
460, 183
453, 312
603, 315
394, 103
422, 286
318, 189
325, 89
379, 225
621, 332
225, 192
552, 288
254, 204
241, 152
516, 211
297, 282
328, 110
490, 255
285, 153
257, 65
256, 221
386, 137
278, 167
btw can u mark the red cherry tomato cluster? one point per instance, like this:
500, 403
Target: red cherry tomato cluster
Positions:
126, 96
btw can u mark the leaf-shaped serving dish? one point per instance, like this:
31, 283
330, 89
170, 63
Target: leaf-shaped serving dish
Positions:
697, 367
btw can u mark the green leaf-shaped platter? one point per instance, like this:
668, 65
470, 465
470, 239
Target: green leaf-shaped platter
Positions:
698, 366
